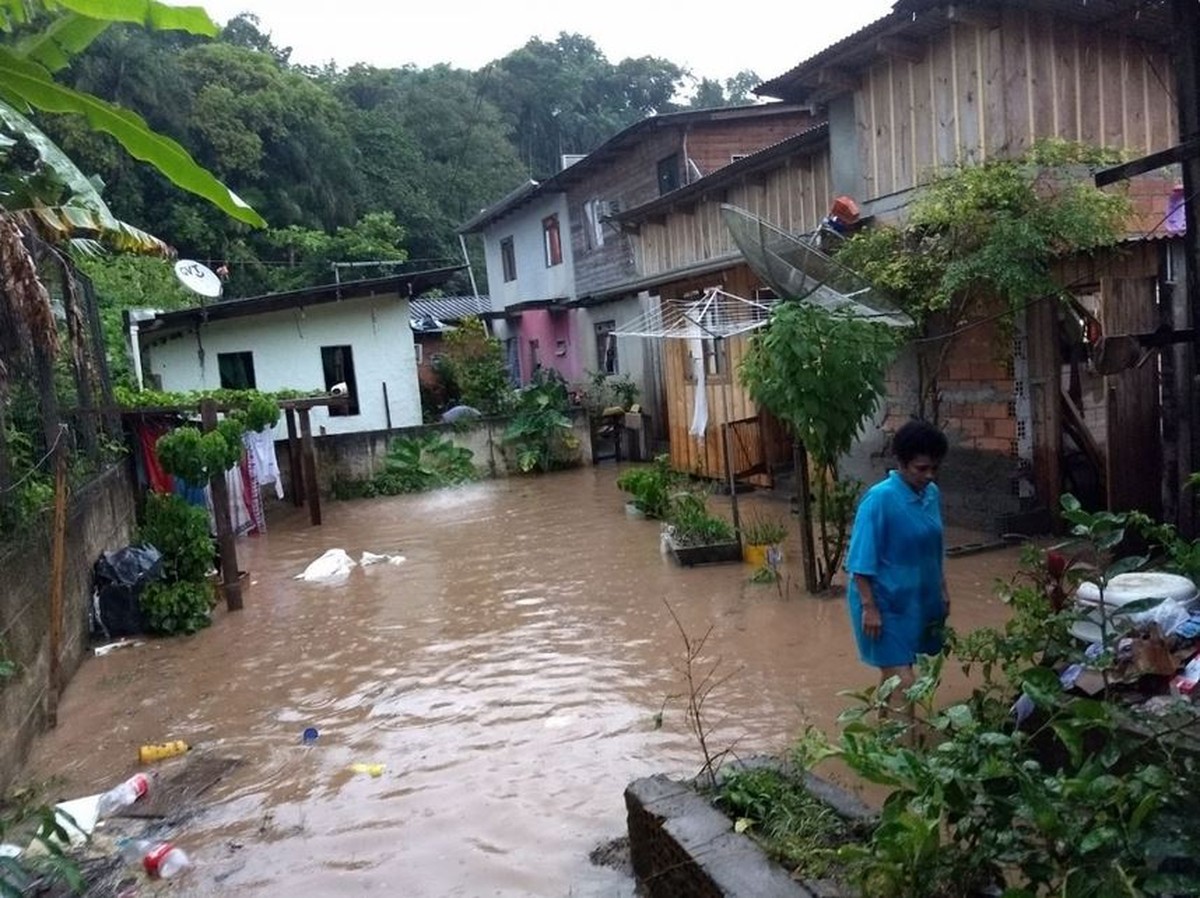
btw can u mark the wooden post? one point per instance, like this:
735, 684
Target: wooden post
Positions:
57, 565
310, 468
1045, 403
808, 548
226, 542
295, 473
733, 496
1186, 15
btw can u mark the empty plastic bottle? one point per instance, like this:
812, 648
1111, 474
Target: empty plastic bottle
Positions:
160, 860
123, 796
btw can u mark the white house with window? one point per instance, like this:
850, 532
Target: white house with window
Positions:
358, 334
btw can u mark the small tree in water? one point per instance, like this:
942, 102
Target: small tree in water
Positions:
476, 364
822, 376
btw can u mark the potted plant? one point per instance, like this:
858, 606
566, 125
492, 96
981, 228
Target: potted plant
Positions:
762, 539
650, 489
693, 535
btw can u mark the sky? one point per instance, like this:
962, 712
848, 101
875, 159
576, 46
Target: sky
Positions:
714, 40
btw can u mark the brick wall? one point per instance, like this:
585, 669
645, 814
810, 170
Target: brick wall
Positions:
979, 478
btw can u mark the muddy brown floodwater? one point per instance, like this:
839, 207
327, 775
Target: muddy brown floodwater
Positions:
508, 675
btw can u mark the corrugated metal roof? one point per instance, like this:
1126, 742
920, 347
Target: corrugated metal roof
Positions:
400, 285
571, 175
449, 308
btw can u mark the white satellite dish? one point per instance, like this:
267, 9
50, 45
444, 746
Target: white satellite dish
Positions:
198, 278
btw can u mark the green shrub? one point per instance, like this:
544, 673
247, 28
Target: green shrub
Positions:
180, 532
539, 434
651, 487
777, 811
693, 525
763, 531
174, 608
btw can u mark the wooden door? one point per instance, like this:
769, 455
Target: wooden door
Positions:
1134, 443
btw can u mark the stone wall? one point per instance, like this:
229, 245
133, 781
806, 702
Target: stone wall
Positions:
355, 456
100, 518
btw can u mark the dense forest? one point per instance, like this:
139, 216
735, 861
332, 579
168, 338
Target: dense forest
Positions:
357, 164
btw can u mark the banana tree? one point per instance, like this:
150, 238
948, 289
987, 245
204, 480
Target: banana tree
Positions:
39, 37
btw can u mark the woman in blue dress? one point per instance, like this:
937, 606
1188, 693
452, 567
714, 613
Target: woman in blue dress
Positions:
897, 596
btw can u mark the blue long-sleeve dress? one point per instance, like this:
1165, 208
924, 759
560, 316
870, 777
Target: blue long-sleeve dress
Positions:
897, 543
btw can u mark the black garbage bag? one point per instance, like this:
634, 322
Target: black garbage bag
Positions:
119, 578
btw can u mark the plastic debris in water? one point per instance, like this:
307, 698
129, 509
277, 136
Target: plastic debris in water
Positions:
310, 736
333, 566
369, 558
372, 769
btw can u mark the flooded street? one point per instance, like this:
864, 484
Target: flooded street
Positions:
508, 675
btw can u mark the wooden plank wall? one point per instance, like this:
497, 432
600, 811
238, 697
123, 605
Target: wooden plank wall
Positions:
979, 92
795, 197
706, 458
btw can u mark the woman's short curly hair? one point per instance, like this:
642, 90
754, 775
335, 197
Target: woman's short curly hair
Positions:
919, 438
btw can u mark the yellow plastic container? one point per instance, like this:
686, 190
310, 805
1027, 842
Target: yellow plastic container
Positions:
148, 754
756, 554
370, 769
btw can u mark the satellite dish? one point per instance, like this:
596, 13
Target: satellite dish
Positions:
796, 269
198, 278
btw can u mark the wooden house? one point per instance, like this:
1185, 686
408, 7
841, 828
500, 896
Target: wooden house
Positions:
563, 276
928, 86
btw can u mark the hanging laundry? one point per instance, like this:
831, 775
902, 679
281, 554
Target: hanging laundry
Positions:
700, 409
148, 432
239, 514
261, 445
251, 494
192, 493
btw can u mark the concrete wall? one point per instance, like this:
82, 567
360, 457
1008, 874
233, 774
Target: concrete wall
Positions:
100, 519
559, 345
535, 280
287, 355
356, 456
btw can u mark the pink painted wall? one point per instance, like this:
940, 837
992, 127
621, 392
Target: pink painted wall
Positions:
550, 329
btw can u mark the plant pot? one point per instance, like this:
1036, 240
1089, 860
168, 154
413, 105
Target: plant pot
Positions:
716, 553
762, 555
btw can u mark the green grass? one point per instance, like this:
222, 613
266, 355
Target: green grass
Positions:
793, 828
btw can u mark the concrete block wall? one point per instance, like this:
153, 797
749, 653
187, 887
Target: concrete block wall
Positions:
100, 518
356, 456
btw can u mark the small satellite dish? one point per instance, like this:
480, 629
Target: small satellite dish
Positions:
198, 278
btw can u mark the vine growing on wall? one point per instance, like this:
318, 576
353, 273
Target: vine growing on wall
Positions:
982, 235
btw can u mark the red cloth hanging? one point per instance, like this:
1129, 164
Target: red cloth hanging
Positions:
148, 433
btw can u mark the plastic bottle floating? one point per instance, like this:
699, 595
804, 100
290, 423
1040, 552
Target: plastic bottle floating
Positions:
371, 769
148, 754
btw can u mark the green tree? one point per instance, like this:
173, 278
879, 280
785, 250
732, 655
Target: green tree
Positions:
566, 97
822, 376
376, 237
476, 364
983, 234
130, 282
39, 39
